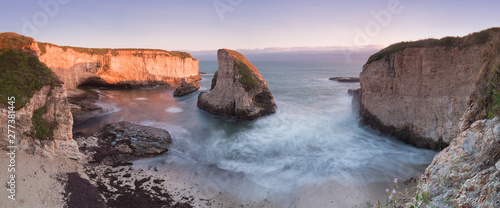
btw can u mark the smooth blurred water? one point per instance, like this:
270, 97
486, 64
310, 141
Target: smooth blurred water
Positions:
314, 137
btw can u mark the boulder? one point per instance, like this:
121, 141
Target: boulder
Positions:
238, 90
122, 142
186, 88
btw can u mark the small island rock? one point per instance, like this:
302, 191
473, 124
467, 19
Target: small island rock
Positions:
186, 88
238, 90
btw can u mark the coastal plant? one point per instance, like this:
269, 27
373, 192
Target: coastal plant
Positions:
21, 75
416, 197
489, 101
42, 129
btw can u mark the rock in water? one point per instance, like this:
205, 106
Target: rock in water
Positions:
186, 88
238, 90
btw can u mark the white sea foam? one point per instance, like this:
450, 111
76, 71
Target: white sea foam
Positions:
174, 110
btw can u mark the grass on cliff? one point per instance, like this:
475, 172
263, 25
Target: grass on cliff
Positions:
9, 41
42, 129
21, 75
489, 102
243, 66
114, 52
469, 40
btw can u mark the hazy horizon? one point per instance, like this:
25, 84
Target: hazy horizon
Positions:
198, 25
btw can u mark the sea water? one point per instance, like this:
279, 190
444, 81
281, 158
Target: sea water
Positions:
314, 136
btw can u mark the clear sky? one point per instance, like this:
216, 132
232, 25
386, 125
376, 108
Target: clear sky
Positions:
243, 24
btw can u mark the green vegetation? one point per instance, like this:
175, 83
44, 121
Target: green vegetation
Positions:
243, 65
472, 39
180, 54
247, 77
21, 75
489, 102
42, 129
9, 41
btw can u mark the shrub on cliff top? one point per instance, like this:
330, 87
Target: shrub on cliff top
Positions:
469, 40
21, 75
9, 41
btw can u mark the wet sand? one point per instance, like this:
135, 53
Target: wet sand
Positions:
41, 182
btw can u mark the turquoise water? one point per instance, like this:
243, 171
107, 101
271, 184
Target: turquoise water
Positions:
313, 138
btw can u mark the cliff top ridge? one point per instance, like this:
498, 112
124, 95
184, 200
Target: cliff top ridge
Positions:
11, 40
476, 38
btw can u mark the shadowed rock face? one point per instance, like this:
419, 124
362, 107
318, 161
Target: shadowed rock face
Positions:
238, 90
186, 88
419, 94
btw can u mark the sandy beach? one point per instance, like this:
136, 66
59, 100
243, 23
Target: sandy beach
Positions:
54, 182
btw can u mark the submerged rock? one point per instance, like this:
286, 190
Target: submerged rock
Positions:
238, 90
186, 88
345, 79
124, 141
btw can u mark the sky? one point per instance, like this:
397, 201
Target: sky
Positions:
198, 25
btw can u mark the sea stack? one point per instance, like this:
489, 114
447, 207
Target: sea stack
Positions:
238, 90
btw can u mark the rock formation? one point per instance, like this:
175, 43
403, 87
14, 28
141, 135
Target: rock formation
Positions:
122, 142
117, 67
43, 118
433, 91
57, 114
418, 91
238, 90
186, 88
468, 171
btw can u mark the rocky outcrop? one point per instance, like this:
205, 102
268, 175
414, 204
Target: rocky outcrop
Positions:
468, 171
186, 88
56, 115
117, 67
122, 142
419, 91
238, 90
345, 79
83, 101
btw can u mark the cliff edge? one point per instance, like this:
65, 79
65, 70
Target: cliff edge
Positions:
419, 91
238, 90
127, 68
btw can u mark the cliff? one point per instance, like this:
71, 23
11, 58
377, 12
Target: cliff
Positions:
419, 91
34, 78
467, 173
44, 125
117, 67
238, 90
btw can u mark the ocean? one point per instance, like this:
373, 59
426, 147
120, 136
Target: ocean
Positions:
314, 138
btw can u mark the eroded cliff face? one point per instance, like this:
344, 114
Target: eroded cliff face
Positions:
117, 67
468, 171
57, 113
419, 94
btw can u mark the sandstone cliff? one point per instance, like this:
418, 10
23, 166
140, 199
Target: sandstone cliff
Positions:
117, 67
238, 90
419, 91
53, 110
